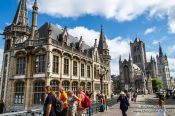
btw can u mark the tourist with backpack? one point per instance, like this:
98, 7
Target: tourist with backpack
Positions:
84, 102
63, 98
49, 103
71, 103
58, 104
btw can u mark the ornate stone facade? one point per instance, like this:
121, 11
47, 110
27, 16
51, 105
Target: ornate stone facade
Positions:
35, 57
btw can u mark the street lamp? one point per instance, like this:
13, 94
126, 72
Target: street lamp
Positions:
101, 74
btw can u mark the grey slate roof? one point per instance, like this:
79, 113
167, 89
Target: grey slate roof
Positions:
57, 33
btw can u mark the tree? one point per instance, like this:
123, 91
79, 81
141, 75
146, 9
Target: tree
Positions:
156, 84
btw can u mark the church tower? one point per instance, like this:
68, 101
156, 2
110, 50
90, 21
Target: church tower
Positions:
138, 53
163, 68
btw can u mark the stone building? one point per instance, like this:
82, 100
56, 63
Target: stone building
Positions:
35, 57
163, 69
136, 72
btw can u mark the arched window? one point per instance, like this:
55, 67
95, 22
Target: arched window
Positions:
54, 84
39, 92
19, 93
82, 84
74, 87
89, 87
65, 85
126, 74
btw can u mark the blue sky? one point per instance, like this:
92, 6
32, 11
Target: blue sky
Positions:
153, 21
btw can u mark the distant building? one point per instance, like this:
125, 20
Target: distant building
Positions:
34, 58
163, 69
136, 72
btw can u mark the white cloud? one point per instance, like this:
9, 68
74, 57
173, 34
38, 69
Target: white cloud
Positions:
151, 53
117, 46
171, 62
171, 50
7, 23
88, 35
121, 10
149, 30
157, 41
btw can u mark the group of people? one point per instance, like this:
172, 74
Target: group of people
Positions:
66, 104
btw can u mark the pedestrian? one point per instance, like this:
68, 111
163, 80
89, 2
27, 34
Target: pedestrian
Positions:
103, 103
63, 98
81, 111
49, 103
134, 97
124, 103
162, 110
161, 101
71, 103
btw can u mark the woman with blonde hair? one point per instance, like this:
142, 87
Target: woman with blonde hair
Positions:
71, 103
124, 103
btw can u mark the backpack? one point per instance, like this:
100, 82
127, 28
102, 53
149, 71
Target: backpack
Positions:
58, 105
86, 102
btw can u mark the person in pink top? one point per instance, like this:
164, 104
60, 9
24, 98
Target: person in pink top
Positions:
81, 97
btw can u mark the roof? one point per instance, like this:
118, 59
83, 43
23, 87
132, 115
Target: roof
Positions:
135, 67
56, 34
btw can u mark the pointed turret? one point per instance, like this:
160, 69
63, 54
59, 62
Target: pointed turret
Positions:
151, 58
120, 58
165, 57
160, 50
130, 57
102, 42
34, 18
103, 48
21, 17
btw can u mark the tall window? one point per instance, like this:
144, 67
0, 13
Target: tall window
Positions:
19, 93
82, 70
55, 64
88, 71
40, 64
74, 87
66, 66
88, 86
82, 84
55, 84
66, 85
39, 92
126, 74
95, 71
20, 65
74, 68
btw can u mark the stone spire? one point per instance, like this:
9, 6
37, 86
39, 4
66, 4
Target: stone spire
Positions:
160, 50
130, 57
34, 18
102, 42
21, 16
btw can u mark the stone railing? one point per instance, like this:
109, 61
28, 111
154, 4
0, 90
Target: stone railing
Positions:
33, 43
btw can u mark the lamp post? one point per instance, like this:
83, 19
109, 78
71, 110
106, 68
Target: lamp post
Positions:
101, 74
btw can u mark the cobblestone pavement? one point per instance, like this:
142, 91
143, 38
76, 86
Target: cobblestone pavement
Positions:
145, 106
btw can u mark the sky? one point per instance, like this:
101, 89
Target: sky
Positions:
123, 20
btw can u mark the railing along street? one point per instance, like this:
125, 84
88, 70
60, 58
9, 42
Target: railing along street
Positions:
94, 109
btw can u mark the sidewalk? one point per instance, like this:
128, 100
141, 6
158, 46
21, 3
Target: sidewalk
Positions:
115, 110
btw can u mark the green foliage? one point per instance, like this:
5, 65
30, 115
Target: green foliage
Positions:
156, 84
